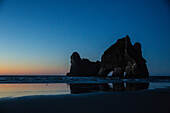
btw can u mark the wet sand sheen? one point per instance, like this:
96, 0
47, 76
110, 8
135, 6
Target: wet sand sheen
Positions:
18, 90
85, 98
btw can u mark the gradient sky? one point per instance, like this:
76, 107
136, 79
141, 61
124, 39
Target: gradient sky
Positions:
38, 36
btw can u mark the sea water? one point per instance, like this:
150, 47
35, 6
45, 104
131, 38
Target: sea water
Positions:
17, 86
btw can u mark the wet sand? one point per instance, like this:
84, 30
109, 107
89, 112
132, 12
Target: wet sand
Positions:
149, 101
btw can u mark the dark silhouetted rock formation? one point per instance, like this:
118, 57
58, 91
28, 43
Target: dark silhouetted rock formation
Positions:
83, 67
124, 57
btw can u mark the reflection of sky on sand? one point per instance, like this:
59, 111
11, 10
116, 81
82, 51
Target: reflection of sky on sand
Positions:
18, 90
159, 85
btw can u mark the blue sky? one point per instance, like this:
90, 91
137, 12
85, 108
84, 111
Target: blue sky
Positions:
38, 36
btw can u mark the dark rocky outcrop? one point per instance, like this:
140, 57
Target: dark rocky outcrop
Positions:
83, 67
123, 57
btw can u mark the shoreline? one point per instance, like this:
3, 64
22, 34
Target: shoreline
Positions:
66, 79
147, 101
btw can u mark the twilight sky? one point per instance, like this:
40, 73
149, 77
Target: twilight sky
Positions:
38, 36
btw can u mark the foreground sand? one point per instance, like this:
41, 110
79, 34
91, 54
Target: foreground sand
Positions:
156, 101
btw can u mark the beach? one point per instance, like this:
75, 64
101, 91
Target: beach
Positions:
142, 101
84, 56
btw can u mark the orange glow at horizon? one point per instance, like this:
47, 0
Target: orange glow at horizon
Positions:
31, 70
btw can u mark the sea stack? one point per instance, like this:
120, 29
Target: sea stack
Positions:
123, 57
83, 67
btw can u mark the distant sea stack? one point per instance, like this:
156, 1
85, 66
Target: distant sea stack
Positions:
83, 67
123, 58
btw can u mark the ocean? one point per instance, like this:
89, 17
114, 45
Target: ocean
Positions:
26, 85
